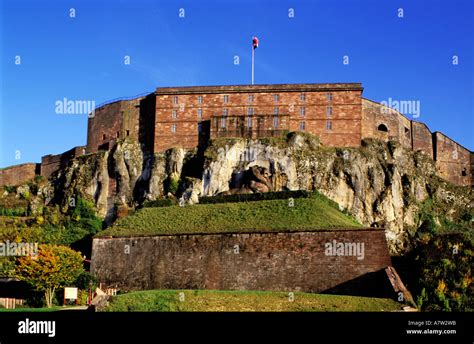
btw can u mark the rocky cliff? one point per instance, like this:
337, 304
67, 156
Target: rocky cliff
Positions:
380, 184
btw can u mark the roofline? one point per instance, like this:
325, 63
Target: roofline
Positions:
259, 88
439, 132
18, 165
230, 233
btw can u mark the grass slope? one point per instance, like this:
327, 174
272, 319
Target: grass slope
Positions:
275, 215
244, 301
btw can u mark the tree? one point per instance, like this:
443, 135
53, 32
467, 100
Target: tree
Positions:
54, 267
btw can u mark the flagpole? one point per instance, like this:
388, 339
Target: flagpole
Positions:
253, 60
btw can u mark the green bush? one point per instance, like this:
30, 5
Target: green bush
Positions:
84, 280
83, 209
266, 196
443, 264
20, 211
10, 188
173, 184
165, 202
38, 179
25, 195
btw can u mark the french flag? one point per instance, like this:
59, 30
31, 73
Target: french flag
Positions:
255, 42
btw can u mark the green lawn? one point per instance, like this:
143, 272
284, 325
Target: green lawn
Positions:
244, 301
273, 215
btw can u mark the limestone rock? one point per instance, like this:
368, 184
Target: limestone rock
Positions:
380, 184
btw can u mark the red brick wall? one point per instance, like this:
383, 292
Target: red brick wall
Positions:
452, 160
345, 117
19, 174
264, 261
116, 120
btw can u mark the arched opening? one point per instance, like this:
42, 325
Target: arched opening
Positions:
382, 127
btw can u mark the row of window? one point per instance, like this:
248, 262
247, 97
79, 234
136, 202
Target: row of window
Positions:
250, 112
328, 126
251, 98
276, 123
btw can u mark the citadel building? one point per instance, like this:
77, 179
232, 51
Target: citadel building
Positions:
189, 116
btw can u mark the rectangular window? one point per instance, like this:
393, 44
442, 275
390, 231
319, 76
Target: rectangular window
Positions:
225, 112
175, 100
226, 98
199, 99
128, 132
302, 126
174, 113
250, 111
302, 111
276, 97
276, 121
103, 136
275, 111
118, 134
328, 125
223, 122
249, 122
200, 113
199, 128
302, 97
173, 128
329, 96
329, 111
251, 98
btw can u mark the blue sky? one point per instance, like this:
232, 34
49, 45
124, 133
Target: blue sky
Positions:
82, 58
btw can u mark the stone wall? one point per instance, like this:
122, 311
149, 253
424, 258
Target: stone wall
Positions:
121, 119
452, 160
18, 174
179, 111
256, 261
52, 163
383, 123
422, 138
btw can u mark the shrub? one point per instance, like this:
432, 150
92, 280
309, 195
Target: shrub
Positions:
84, 279
38, 179
20, 211
255, 197
443, 263
10, 188
165, 202
173, 184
